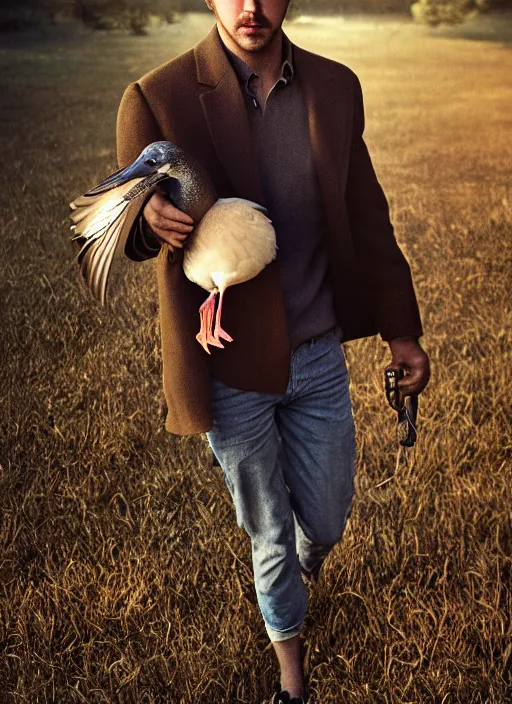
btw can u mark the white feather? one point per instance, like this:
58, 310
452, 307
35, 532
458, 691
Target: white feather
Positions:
232, 243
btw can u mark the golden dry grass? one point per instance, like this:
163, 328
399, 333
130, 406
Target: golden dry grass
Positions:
124, 576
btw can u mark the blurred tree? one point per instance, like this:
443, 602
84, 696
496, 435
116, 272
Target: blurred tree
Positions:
19, 14
434, 12
431, 11
133, 15
346, 7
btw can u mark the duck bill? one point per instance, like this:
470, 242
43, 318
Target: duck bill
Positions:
120, 177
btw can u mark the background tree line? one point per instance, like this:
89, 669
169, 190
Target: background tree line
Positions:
134, 15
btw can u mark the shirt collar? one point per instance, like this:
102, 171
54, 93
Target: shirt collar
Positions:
245, 72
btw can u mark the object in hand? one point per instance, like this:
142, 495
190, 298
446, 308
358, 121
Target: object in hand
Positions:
405, 406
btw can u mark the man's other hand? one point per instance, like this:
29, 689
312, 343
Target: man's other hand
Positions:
408, 354
171, 225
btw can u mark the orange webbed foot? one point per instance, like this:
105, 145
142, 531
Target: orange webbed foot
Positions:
206, 312
219, 331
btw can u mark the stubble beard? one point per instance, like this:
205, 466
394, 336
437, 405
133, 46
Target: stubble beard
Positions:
250, 44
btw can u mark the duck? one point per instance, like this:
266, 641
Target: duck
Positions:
232, 242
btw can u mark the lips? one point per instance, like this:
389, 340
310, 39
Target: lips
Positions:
251, 29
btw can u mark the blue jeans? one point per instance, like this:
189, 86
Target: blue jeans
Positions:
289, 464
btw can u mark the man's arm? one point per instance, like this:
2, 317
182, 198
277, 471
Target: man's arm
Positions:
382, 263
136, 128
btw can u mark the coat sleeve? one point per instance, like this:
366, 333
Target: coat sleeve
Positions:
136, 128
383, 265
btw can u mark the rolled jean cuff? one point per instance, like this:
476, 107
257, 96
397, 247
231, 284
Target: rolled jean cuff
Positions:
283, 635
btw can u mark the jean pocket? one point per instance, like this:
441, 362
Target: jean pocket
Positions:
329, 360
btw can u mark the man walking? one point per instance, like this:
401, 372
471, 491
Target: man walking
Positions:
279, 125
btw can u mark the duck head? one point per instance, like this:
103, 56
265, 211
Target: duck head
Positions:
180, 176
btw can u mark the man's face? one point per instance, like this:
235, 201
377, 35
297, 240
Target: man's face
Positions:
250, 23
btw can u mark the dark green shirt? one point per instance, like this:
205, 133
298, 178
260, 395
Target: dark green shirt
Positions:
292, 195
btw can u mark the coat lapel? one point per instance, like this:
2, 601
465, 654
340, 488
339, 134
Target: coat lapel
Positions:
227, 118
329, 118
330, 124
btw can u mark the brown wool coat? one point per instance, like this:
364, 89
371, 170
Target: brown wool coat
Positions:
195, 101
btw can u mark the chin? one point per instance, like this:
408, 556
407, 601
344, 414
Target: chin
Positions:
253, 44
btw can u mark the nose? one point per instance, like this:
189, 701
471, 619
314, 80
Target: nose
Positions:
250, 6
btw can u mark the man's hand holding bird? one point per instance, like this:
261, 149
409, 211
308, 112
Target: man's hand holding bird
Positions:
167, 223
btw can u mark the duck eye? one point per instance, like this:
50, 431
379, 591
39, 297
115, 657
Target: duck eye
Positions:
150, 162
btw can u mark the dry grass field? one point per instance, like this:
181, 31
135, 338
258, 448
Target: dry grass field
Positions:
124, 577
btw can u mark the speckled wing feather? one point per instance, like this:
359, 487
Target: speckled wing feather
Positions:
102, 223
